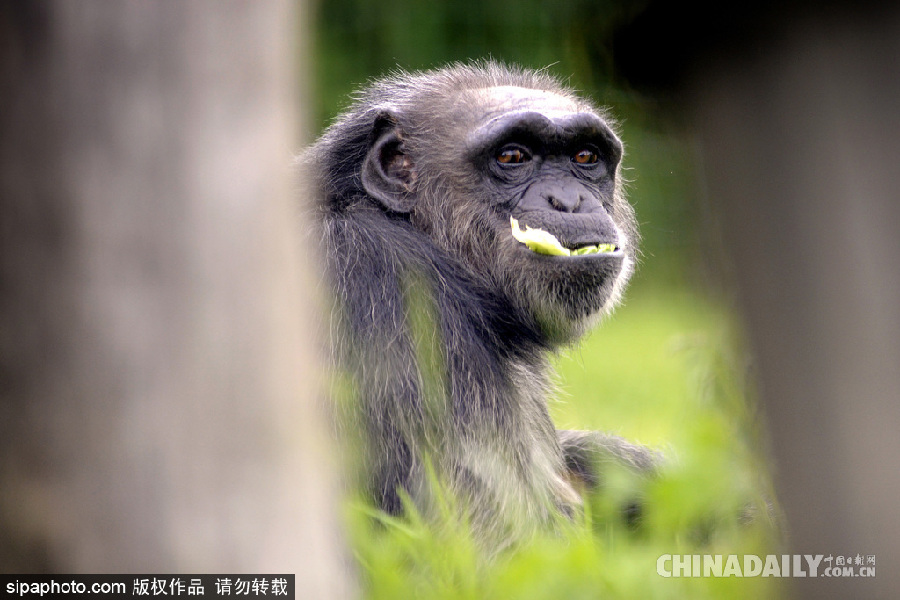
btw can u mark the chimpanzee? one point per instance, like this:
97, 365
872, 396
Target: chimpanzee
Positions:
473, 221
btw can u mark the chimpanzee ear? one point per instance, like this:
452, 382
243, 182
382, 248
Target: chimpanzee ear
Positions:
388, 173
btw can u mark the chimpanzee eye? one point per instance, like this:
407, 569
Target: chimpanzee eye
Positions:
513, 155
586, 156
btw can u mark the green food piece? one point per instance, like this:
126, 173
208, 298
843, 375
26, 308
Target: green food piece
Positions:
538, 240
544, 242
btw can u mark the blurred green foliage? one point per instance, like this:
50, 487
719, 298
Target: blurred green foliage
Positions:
358, 38
669, 369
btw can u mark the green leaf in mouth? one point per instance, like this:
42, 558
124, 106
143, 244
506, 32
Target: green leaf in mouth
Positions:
544, 242
538, 240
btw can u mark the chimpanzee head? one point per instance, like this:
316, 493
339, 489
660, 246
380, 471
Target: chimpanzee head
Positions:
506, 171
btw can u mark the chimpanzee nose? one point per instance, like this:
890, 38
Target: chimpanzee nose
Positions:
559, 196
563, 200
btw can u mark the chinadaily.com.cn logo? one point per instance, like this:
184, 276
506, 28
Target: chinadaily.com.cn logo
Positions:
772, 565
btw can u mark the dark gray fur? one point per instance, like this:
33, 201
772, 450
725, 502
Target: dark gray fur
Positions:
444, 322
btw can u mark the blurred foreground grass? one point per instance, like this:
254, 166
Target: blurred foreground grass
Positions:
665, 370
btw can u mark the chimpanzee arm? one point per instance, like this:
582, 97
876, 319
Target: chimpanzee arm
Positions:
586, 453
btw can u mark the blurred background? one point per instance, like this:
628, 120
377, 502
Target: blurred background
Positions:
153, 279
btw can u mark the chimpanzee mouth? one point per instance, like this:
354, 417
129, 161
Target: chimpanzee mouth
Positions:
544, 242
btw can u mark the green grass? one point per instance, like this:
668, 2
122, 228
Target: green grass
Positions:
667, 370
645, 371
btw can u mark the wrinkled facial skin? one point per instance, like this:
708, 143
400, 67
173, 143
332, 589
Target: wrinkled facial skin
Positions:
552, 166
554, 170
515, 155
